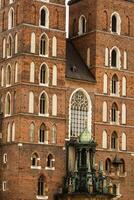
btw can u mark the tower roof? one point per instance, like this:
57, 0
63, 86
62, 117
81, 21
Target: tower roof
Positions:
75, 66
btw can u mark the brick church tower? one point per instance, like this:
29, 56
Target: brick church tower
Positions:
32, 63
53, 89
101, 34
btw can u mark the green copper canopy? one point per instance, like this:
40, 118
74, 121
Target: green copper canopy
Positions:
85, 136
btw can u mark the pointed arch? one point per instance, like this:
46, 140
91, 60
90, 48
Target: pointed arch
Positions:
54, 46
114, 140
8, 75
44, 74
31, 132
105, 83
44, 104
31, 102
128, 25
41, 186
54, 105
9, 132
108, 165
33, 42
124, 86
43, 134
115, 85
124, 113
104, 139
32, 72
104, 111
50, 161
16, 43
124, 141
13, 131
16, 71
114, 113
54, 78
115, 23
2, 76
44, 45
4, 48
125, 60
11, 18
8, 104
115, 56
79, 105
9, 46
82, 25
106, 57
44, 17
54, 134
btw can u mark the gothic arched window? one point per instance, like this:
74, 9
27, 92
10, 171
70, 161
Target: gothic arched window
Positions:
124, 141
108, 165
82, 24
44, 17
31, 102
44, 74
33, 42
54, 77
44, 45
11, 18
114, 58
114, 113
43, 134
104, 139
114, 140
50, 161
31, 132
80, 113
9, 46
122, 166
53, 134
115, 84
116, 23
43, 104
34, 160
8, 75
8, 104
41, 186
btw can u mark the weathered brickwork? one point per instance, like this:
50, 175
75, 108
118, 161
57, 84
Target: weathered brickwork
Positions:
22, 180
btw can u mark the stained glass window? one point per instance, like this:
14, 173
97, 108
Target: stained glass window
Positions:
79, 113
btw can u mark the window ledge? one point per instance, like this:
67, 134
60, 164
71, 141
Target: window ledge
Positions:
43, 55
9, 57
44, 84
50, 168
46, 142
42, 197
44, 115
35, 167
45, 27
114, 95
114, 123
8, 85
7, 115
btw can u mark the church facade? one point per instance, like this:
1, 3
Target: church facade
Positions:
66, 105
